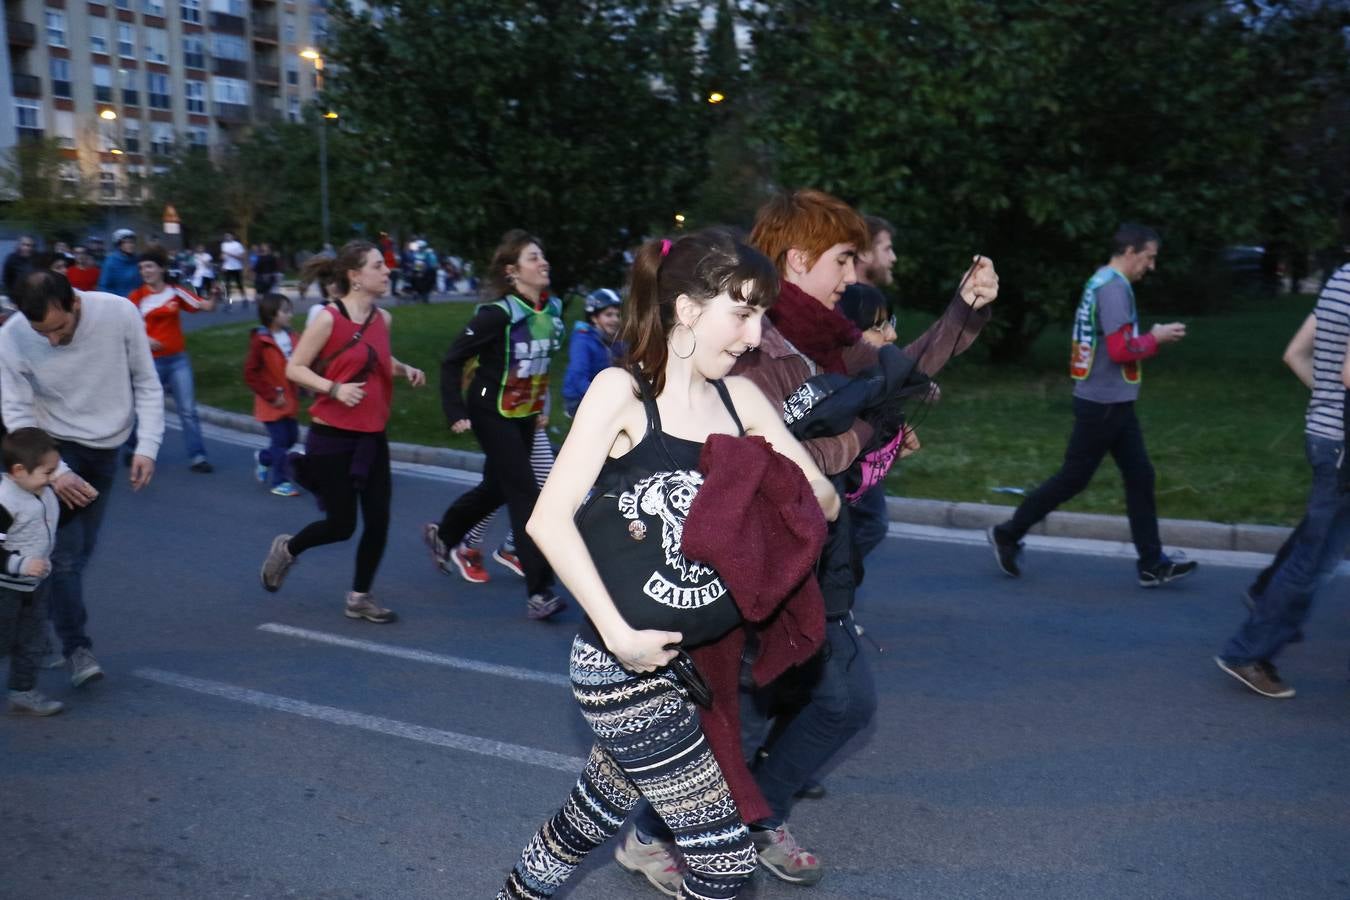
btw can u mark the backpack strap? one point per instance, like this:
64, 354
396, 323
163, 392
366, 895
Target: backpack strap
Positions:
322, 364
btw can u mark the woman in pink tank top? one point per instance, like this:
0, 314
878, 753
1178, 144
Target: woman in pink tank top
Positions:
344, 358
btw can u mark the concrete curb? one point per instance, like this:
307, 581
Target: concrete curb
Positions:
465, 460
1186, 533
1190, 533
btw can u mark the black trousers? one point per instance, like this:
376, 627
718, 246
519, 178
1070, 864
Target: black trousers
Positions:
508, 478
1099, 429
22, 614
341, 497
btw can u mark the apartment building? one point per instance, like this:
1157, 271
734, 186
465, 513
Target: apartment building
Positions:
120, 82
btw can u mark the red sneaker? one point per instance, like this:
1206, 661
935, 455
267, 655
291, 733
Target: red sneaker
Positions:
470, 565
509, 559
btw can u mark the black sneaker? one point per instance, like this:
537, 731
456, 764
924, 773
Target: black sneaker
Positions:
544, 605
1260, 676
1007, 554
1165, 570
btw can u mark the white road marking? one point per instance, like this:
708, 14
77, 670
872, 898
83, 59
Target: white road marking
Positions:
423, 656
392, 727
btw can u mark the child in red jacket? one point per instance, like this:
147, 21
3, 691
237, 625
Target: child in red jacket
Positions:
275, 402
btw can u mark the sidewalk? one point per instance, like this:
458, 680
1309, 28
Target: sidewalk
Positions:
944, 514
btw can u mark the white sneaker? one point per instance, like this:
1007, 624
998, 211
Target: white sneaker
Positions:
83, 667
33, 703
657, 862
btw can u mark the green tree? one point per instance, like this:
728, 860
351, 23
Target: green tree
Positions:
192, 184
580, 120
1027, 131
44, 189
735, 185
265, 187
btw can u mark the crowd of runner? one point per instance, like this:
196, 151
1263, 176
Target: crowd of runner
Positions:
739, 387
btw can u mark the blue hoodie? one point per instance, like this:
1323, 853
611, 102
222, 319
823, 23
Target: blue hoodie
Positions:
587, 355
121, 274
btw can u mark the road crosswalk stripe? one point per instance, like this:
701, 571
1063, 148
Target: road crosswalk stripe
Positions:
335, 716
424, 656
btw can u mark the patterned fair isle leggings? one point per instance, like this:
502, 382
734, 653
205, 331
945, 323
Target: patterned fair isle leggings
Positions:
648, 744
541, 461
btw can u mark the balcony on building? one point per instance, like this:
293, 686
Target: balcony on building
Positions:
21, 33
266, 74
28, 134
229, 68
233, 113
227, 23
266, 111
264, 27
26, 85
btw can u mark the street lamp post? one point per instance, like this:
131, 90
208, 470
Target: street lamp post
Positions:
317, 58
108, 116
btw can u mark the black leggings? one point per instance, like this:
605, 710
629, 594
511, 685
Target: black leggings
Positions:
508, 478
331, 472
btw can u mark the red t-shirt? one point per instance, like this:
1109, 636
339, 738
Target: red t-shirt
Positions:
367, 360
160, 310
82, 278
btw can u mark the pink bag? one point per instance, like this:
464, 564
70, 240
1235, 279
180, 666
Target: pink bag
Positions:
876, 464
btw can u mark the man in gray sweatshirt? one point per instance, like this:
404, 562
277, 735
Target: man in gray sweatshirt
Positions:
78, 366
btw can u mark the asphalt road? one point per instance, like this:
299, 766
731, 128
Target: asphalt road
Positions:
1061, 736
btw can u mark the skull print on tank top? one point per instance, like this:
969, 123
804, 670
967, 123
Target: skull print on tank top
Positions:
632, 524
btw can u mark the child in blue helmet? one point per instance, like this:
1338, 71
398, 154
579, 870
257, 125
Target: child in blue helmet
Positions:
592, 347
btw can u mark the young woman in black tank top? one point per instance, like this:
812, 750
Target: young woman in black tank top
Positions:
694, 307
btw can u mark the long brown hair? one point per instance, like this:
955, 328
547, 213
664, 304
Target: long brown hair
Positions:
329, 270
513, 243
701, 266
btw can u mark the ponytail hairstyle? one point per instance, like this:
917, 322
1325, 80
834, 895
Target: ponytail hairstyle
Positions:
333, 270
513, 243
318, 269
700, 266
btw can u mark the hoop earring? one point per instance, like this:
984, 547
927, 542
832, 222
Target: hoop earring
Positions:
692, 347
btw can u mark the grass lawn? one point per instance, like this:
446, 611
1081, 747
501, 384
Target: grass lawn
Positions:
1222, 416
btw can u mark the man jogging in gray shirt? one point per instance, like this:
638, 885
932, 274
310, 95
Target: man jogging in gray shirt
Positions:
1105, 361
78, 366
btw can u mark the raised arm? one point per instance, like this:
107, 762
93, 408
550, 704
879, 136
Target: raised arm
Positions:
552, 526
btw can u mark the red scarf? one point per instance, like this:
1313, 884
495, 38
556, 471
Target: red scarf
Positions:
814, 329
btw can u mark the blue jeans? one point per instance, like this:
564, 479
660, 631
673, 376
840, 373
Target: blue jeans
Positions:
75, 539
869, 519
175, 374
283, 433
843, 700
1098, 429
1315, 549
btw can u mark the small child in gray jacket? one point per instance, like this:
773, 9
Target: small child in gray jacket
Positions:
28, 518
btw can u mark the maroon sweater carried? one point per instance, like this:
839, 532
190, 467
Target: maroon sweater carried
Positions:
758, 523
